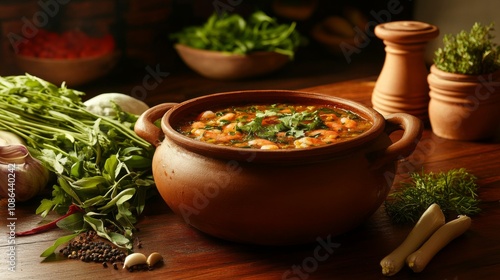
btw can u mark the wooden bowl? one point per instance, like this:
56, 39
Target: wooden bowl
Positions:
74, 72
226, 66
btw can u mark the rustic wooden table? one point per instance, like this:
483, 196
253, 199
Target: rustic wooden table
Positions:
190, 254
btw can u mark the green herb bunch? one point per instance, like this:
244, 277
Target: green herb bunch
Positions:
294, 124
100, 164
471, 53
234, 34
454, 191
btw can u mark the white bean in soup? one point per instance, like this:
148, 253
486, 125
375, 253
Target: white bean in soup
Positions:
275, 126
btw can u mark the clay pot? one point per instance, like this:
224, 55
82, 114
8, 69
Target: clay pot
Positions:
274, 197
464, 107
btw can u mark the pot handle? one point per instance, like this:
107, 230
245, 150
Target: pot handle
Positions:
412, 131
145, 126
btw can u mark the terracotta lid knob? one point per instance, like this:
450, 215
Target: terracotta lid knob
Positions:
406, 31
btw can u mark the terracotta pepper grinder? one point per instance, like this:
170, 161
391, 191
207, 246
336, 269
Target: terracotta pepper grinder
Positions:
402, 84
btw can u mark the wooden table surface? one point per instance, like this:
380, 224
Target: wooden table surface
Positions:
190, 254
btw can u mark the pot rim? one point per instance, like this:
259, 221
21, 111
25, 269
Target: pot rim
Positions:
463, 77
464, 89
200, 104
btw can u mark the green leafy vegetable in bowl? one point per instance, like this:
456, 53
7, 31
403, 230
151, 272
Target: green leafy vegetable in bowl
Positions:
103, 168
233, 34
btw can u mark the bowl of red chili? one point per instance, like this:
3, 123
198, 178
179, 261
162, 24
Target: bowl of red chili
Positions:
73, 57
275, 167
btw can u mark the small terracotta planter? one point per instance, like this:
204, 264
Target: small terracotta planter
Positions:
464, 107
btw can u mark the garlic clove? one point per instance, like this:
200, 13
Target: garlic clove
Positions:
134, 259
153, 259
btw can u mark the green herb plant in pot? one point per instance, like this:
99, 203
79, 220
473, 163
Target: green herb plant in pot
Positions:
464, 86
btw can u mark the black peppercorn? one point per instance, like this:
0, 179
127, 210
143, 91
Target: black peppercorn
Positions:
86, 249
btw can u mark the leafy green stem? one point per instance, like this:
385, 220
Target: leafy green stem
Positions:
100, 163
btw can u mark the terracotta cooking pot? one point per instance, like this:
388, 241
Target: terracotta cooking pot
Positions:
274, 197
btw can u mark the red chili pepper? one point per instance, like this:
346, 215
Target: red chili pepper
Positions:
71, 210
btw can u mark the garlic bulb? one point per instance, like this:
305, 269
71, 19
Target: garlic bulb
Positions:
102, 104
8, 138
24, 176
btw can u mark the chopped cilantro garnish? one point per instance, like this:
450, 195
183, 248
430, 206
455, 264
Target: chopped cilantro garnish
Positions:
293, 124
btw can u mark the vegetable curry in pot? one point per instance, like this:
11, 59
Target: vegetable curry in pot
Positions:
275, 126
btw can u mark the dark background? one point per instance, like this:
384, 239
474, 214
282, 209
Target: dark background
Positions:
142, 27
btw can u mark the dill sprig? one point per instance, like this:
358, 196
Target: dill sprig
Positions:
454, 191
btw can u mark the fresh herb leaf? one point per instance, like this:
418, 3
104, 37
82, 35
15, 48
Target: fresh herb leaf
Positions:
119, 199
46, 205
470, 53
59, 241
73, 222
454, 191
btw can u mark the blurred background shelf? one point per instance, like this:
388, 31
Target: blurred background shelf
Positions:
151, 70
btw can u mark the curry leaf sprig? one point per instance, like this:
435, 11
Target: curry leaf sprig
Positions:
234, 34
455, 191
101, 165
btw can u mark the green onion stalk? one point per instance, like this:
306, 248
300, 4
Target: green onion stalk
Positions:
102, 167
